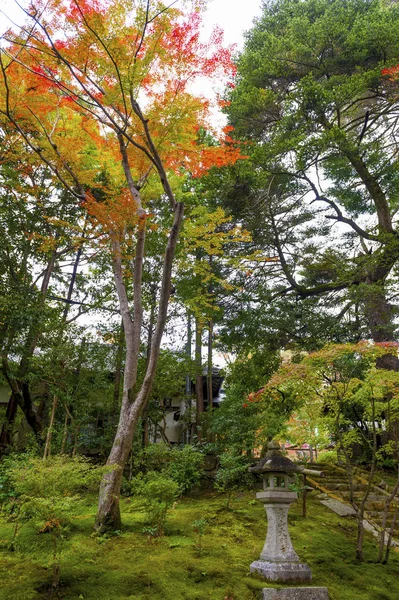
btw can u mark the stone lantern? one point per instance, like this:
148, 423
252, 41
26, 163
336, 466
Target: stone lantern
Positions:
278, 560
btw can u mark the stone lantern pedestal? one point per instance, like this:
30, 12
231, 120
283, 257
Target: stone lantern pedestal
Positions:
278, 560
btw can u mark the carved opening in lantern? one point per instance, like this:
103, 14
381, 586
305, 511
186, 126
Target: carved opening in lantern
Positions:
274, 481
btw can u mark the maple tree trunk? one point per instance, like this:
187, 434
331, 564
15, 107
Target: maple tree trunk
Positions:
118, 369
145, 413
384, 521
390, 535
360, 509
108, 515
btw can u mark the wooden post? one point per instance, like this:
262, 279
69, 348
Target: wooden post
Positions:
304, 496
305, 491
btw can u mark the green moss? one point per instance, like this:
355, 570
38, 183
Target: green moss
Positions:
135, 566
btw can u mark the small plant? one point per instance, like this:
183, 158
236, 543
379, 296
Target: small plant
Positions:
158, 493
151, 532
199, 527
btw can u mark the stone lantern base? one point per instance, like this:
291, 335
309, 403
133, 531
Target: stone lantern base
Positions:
299, 593
284, 571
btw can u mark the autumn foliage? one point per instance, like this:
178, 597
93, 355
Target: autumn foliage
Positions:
391, 72
81, 73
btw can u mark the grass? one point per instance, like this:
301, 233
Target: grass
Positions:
132, 565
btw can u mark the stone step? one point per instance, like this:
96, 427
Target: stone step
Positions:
358, 495
323, 468
320, 467
344, 510
334, 480
378, 522
378, 513
374, 506
377, 518
344, 487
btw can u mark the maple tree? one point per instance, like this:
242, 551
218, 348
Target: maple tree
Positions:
340, 390
391, 72
102, 93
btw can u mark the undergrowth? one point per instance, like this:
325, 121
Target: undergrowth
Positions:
135, 566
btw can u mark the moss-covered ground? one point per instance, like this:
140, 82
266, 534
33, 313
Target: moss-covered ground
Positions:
133, 566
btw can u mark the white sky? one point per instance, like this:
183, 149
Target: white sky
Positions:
233, 16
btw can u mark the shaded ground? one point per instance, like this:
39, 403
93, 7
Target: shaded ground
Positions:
134, 566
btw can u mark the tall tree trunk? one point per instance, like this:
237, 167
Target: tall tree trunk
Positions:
72, 281
69, 416
76, 440
47, 447
188, 401
209, 378
210, 347
199, 391
108, 515
210, 366
65, 433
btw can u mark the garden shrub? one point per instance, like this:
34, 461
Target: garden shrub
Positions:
232, 474
328, 457
157, 457
46, 493
158, 493
186, 467
8, 493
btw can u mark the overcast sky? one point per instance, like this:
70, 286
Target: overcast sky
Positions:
234, 16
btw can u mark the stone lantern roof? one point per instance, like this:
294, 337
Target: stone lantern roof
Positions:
274, 461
